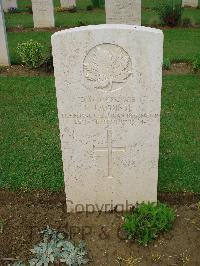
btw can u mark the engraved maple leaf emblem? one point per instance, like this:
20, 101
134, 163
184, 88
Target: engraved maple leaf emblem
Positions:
107, 64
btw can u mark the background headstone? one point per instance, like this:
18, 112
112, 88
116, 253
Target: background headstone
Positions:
68, 3
108, 83
190, 3
43, 13
8, 4
4, 55
123, 12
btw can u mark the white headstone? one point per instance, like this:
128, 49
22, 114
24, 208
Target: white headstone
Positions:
190, 3
4, 56
43, 13
68, 3
123, 12
108, 83
8, 4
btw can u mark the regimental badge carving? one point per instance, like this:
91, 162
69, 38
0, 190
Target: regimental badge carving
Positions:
107, 67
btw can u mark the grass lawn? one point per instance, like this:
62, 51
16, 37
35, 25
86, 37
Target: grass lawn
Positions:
83, 3
61, 18
30, 148
64, 19
179, 45
149, 15
180, 126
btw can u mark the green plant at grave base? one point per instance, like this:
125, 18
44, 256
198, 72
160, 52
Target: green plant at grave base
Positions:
81, 23
72, 9
147, 220
66, 9
170, 12
55, 250
13, 10
98, 3
1, 68
31, 53
166, 63
48, 64
196, 62
29, 9
186, 22
89, 8
19, 263
61, 9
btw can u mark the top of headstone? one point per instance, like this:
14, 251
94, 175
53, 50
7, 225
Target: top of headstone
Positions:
109, 26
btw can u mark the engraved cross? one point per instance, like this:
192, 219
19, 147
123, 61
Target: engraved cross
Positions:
110, 149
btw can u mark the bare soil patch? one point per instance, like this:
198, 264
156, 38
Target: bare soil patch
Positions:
179, 68
20, 70
21, 29
55, 29
26, 214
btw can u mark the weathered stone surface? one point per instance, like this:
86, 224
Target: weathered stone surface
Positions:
190, 3
4, 56
123, 12
108, 83
43, 13
8, 4
68, 3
